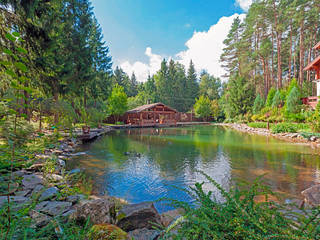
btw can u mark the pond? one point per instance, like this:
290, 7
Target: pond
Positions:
148, 164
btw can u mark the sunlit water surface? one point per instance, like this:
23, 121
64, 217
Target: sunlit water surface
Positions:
149, 164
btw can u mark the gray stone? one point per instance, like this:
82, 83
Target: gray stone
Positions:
37, 189
61, 163
20, 173
68, 213
99, 211
39, 219
56, 208
49, 193
41, 205
31, 181
16, 200
135, 216
144, 234
312, 195
55, 177
313, 138
22, 193
75, 198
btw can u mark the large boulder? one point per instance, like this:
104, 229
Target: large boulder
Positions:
144, 234
49, 193
107, 232
39, 219
135, 216
312, 195
19, 201
168, 217
31, 181
101, 210
53, 208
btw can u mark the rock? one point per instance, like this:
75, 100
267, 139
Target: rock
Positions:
20, 173
41, 205
106, 231
39, 219
168, 217
22, 193
54, 208
49, 193
62, 157
75, 198
55, 177
36, 167
37, 190
16, 200
74, 171
43, 157
68, 213
99, 210
144, 234
135, 216
61, 163
312, 195
313, 138
30, 181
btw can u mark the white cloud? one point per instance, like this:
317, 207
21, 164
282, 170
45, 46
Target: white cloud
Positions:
244, 4
204, 48
142, 70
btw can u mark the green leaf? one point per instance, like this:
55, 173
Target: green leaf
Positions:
5, 63
11, 73
22, 50
10, 37
21, 66
7, 51
16, 34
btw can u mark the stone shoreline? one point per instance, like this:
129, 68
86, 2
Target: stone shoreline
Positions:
313, 141
47, 185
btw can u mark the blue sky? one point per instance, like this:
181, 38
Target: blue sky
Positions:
140, 33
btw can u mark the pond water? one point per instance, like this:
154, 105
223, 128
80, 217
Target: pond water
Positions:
148, 164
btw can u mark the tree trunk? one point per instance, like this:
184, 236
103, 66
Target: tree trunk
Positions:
56, 114
279, 60
290, 53
301, 61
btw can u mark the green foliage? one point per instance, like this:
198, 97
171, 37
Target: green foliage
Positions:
117, 102
202, 107
276, 101
258, 124
258, 104
240, 216
293, 104
293, 84
314, 119
238, 98
215, 109
284, 128
270, 97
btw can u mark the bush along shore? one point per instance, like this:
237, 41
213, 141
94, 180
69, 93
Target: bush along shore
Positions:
284, 131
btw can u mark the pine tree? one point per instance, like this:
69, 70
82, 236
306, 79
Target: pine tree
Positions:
192, 85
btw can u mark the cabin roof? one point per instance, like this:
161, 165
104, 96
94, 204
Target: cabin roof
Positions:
314, 64
317, 46
148, 106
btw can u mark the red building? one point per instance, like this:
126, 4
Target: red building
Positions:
156, 114
314, 66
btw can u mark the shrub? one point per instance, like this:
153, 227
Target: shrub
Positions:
294, 101
258, 104
258, 124
284, 128
270, 96
315, 119
240, 216
277, 101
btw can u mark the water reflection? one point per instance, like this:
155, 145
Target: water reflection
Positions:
144, 164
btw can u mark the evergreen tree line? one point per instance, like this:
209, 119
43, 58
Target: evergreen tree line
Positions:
171, 85
69, 65
267, 50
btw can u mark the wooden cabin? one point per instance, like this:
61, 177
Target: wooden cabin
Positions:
314, 66
156, 114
